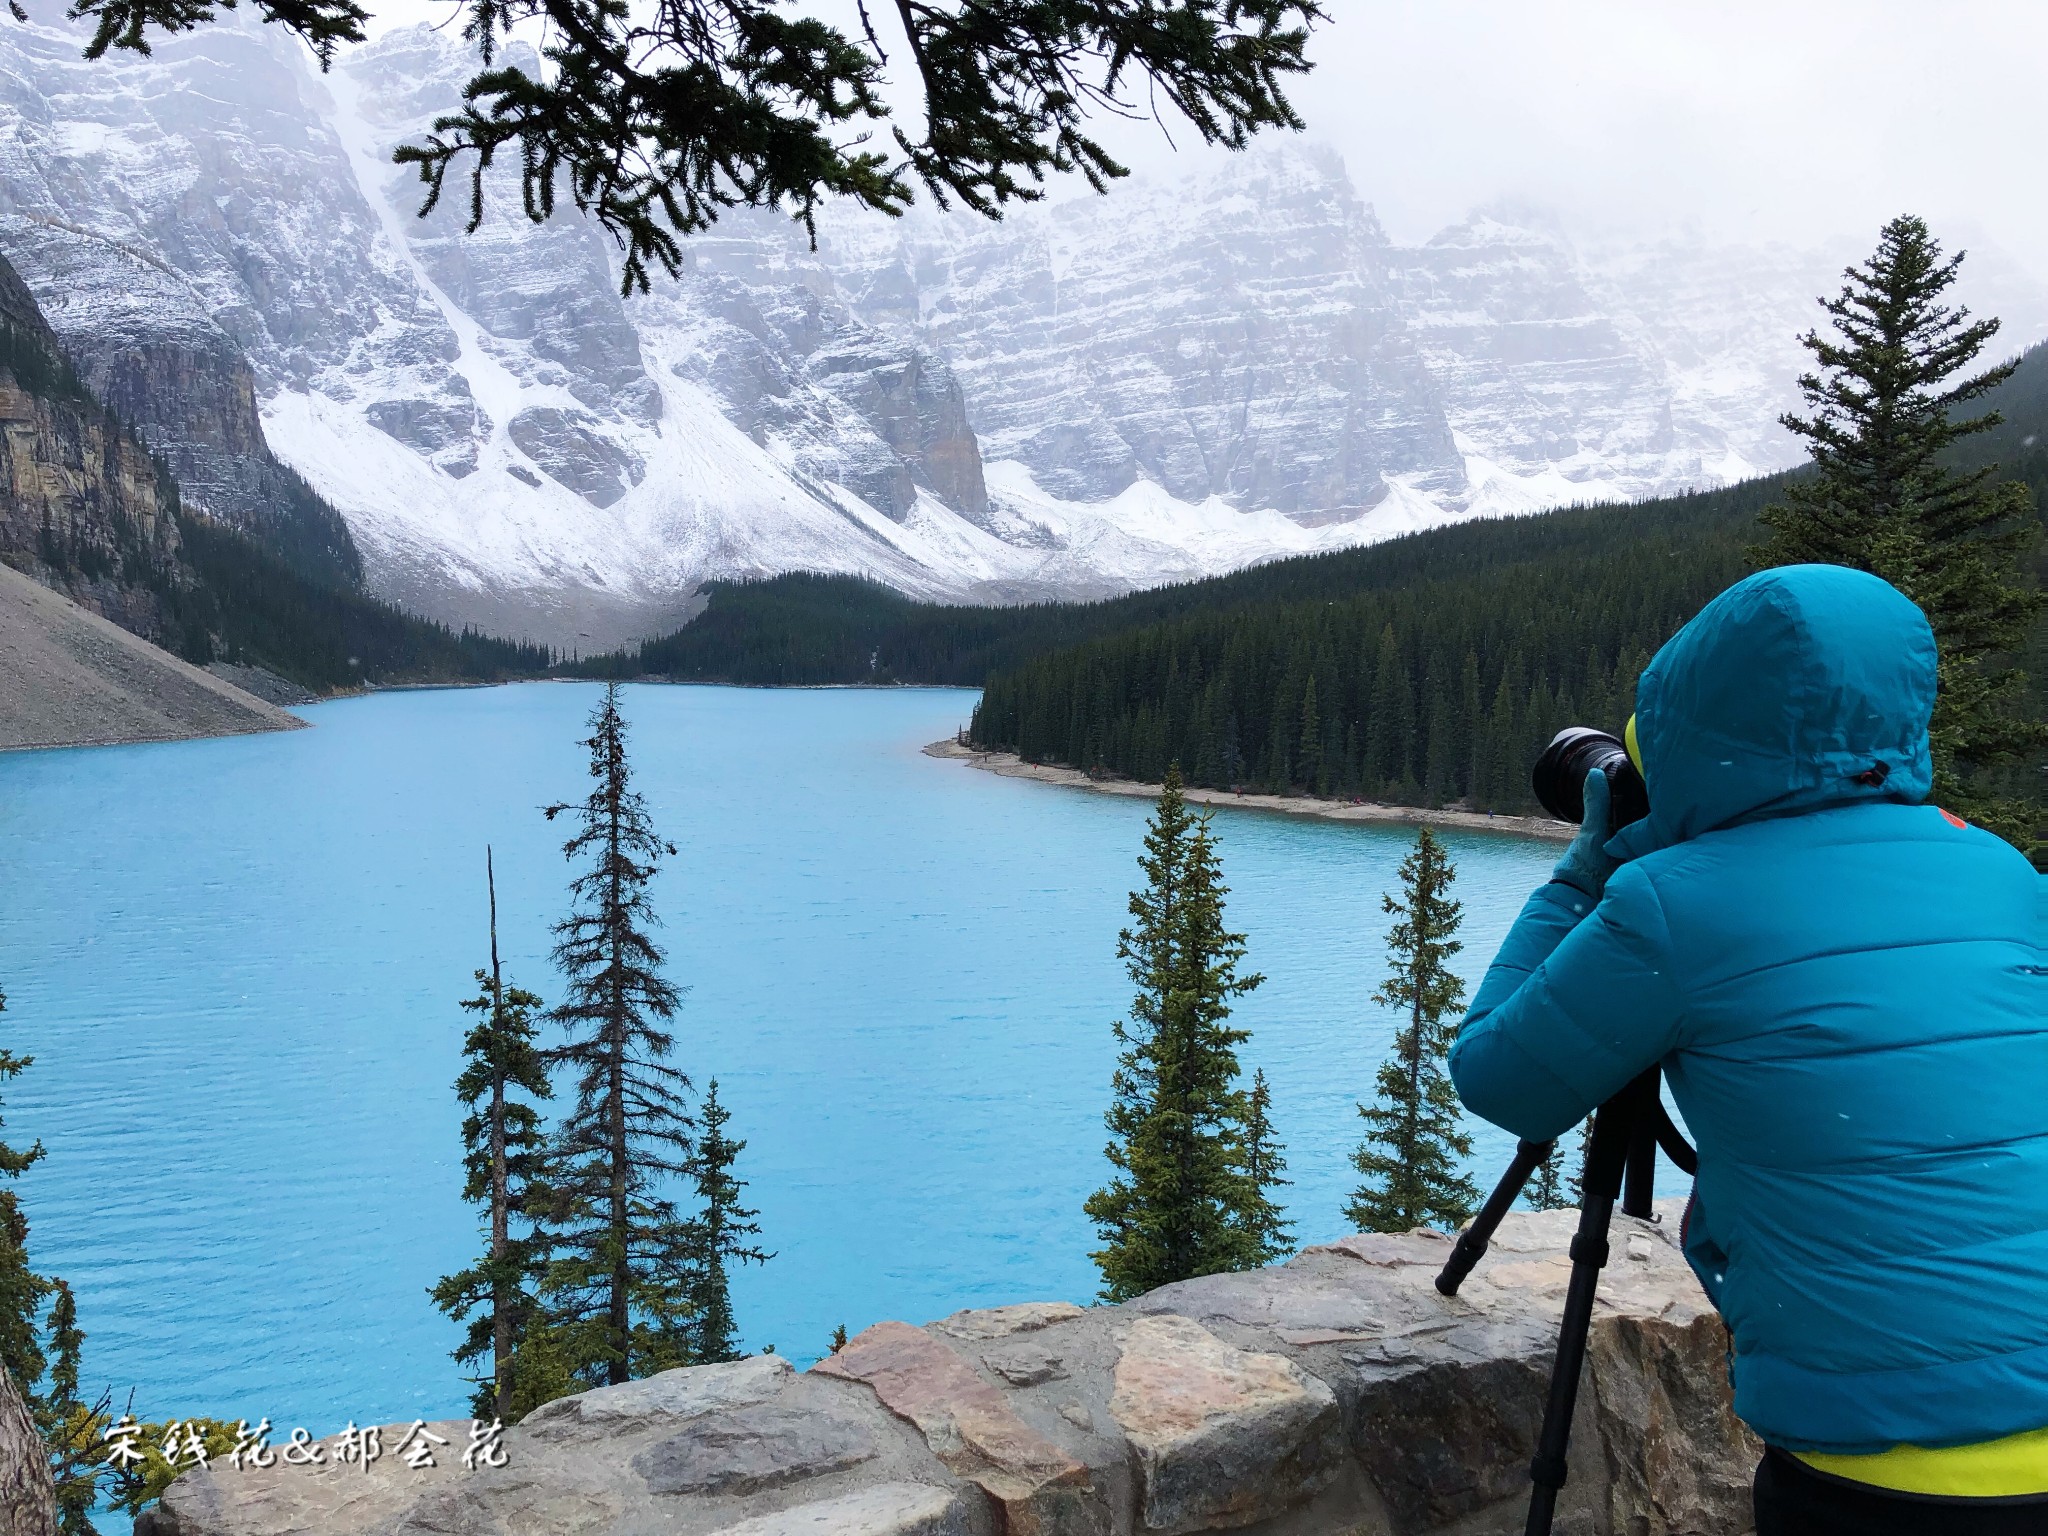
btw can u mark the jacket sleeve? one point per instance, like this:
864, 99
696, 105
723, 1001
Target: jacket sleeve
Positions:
1580, 1000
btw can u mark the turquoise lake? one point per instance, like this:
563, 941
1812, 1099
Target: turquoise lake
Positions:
238, 963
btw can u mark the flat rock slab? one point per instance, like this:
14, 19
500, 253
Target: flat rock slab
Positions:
763, 1445
284, 1498
967, 1421
686, 1394
1002, 1322
1224, 1436
888, 1509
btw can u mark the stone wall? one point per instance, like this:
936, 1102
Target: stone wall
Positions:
1337, 1393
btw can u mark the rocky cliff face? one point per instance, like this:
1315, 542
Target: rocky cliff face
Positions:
82, 508
147, 348
1338, 1393
1235, 339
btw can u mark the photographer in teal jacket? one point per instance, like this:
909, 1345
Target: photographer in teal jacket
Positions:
1848, 992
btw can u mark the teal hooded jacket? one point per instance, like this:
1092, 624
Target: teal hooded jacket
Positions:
1848, 993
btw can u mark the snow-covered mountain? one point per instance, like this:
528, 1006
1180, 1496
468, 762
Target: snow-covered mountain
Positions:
1182, 378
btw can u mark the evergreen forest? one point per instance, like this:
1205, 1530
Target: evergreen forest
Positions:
1439, 687
248, 603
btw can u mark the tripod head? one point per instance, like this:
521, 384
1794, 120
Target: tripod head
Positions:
1648, 1127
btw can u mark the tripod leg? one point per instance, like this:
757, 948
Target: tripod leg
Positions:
1614, 1128
1639, 1182
1479, 1231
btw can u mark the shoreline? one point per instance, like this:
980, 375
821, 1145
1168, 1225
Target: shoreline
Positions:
1010, 766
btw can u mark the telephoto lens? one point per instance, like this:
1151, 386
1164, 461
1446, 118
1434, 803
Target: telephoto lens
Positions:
1559, 777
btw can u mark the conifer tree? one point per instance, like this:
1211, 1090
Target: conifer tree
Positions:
1547, 1190
616, 1290
41, 1354
1178, 1203
1411, 1154
22, 1291
70, 1427
1311, 738
504, 1156
1264, 1163
1577, 1182
1390, 712
1883, 498
718, 1235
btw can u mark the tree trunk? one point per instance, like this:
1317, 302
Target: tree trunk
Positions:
28, 1500
501, 1301
621, 1317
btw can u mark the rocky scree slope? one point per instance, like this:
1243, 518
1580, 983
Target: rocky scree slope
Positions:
1181, 379
1337, 1393
70, 678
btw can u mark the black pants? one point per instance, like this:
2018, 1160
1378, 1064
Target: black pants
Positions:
1792, 1499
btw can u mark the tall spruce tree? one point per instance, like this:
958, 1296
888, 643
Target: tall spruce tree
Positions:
616, 1289
718, 1236
1181, 1201
1884, 498
1412, 1151
504, 1156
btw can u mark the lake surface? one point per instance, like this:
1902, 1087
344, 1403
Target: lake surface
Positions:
238, 964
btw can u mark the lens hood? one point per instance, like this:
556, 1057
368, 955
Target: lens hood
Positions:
1559, 777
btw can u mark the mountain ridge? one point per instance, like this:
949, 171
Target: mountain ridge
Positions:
1091, 397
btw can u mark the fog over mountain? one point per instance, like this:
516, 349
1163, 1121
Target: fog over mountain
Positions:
1225, 361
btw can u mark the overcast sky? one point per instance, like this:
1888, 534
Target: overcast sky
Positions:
1800, 120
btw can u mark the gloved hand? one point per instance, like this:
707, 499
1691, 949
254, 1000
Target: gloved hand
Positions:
1586, 864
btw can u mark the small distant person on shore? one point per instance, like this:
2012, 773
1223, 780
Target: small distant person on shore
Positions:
1848, 993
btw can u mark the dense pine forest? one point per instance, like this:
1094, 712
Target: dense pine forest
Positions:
252, 604
1435, 688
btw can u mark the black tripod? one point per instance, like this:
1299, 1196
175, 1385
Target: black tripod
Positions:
1621, 1164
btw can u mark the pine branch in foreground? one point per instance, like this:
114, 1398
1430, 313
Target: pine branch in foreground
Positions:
654, 120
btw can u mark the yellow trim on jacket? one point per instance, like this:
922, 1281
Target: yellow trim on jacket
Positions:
1991, 1469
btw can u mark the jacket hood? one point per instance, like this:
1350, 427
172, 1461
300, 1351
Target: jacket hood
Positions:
1797, 689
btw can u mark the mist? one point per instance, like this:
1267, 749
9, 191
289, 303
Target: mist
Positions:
1738, 122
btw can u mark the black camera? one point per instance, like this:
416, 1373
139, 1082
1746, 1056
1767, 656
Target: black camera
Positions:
1559, 777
